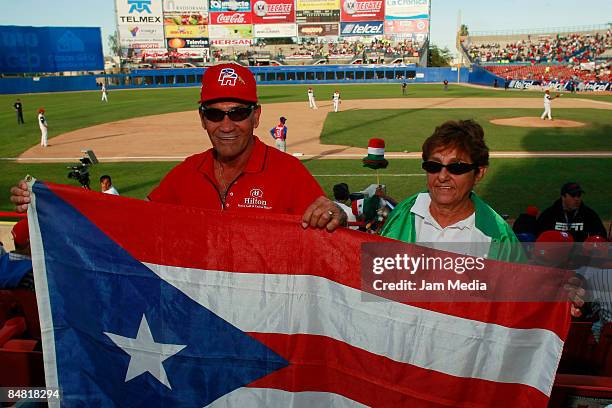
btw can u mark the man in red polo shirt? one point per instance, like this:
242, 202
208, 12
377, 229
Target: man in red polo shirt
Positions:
240, 173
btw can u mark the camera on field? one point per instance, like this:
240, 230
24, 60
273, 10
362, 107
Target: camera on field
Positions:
80, 172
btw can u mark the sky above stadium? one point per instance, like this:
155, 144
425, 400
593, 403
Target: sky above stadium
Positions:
478, 15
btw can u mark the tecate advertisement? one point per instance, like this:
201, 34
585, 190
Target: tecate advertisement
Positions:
363, 10
413, 9
274, 30
229, 5
361, 29
185, 6
406, 26
230, 17
273, 11
318, 30
139, 11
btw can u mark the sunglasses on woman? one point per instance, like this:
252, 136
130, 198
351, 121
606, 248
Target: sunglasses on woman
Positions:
236, 114
455, 168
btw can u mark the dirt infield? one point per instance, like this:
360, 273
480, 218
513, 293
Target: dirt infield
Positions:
175, 136
529, 121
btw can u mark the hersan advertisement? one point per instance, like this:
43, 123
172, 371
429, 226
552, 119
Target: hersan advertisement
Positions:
406, 9
273, 11
406, 26
317, 5
179, 43
317, 16
197, 31
141, 36
139, 12
185, 6
229, 17
230, 32
229, 5
318, 30
363, 10
232, 42
274, 30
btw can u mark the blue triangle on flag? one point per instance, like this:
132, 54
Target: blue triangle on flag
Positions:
95, 286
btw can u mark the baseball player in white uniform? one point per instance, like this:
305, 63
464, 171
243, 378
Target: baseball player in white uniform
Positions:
311, 99
104, 94
336, 100
42, 122
547, 99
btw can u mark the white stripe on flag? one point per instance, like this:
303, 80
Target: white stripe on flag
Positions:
287, 304
376, 151
271, 398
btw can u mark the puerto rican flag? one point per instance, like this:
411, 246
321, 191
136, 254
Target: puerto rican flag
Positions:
152, 305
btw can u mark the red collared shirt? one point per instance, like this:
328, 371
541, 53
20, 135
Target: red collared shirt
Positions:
272, 182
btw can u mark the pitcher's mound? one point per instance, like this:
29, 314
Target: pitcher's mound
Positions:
526, 121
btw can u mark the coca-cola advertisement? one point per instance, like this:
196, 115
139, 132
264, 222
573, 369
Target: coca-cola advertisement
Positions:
363, 10
273, 11
230, 17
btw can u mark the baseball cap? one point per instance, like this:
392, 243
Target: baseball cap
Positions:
228, 81
553, 247
283, 119
20, 233
571, 188
532, 210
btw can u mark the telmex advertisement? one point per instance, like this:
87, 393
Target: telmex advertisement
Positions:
318, 30
363, 10
317, 16
230, 31
406, 26
139, 12
317, 5
230, 17
185, 6
274, 30
406, 9
229, 5
187, 43
141, 36
186, 31
273, 11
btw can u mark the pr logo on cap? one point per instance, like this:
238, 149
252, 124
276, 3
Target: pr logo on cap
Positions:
228, 77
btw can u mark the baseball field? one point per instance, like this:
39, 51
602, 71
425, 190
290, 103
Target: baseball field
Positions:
140, 134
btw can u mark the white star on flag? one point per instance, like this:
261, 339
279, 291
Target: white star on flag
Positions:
145, 354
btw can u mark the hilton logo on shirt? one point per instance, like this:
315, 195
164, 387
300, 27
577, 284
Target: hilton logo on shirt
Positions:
255, 200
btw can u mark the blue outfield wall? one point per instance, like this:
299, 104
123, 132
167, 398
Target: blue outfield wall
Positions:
481, 76
288, 75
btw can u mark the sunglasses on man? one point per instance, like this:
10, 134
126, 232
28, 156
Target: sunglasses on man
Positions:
456, 168
236, 114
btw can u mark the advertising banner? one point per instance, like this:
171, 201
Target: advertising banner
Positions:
317, 5
192, 52
230, 17
186, 19
50, 49
318, 30
139, 11
229, 5
145, 36
185, 6
180, 43
273, 11
363, 10
317, 16
361, 29
196, 31
232, 42
402, 9
274, 30
406, 26
230, 31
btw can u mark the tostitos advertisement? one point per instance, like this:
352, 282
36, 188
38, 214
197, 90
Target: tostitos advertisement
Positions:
406, 9
317, 5
273, 11
197, 31
362, 10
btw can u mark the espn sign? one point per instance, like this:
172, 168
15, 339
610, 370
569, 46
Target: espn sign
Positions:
361, 29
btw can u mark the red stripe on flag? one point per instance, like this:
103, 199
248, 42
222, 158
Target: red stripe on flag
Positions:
319, 363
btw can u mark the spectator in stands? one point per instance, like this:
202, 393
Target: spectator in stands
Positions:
570, 214
455, 158
526, 225
16, 266
342, 199
106, 185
